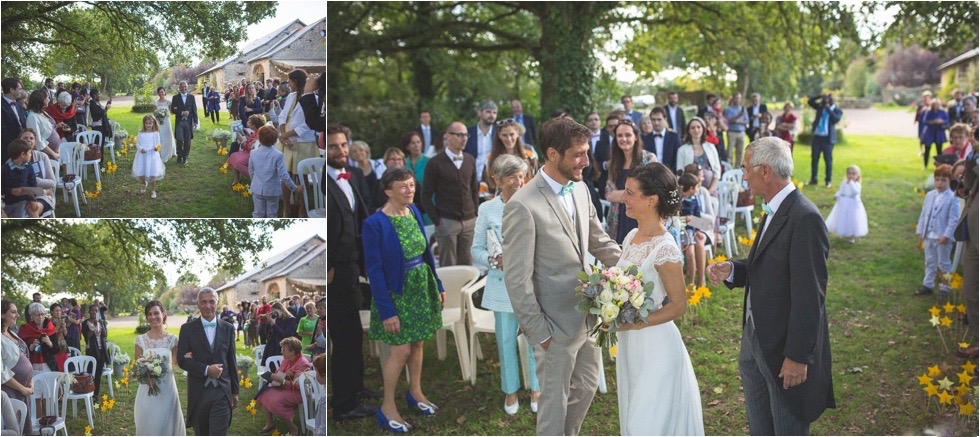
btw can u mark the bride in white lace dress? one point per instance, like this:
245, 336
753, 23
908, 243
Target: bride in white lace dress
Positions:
159, 414
658, 392
167, 143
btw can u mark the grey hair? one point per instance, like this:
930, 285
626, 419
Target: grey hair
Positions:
207, 290
64, 99
361, 145
754, 95
183, 82
486, 104
775, 152
506, 165
35, 308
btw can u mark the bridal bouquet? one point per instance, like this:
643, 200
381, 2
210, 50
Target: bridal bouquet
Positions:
617, 296
161, 114
149, 369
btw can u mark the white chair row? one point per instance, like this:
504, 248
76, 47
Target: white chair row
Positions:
310, 173
310, 391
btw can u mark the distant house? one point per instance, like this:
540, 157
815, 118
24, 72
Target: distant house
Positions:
295, 45
960, 65
301, 269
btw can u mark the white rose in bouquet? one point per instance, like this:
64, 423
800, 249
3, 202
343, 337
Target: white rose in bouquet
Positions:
609, 312
606, 296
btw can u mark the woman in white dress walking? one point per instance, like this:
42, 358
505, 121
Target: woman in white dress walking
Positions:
658, 392
167, 147
159, 414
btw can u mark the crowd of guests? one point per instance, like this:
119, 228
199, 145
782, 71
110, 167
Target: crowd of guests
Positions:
294, 327
295, 108
936, 119
459, 182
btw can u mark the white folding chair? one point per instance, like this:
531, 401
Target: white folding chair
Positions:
736, 176
272, 364
309, 395
75, 365
86, 138
50, 387
72, 352
727, 197
107, 368
110, 145
477, 321
259, 368
454, 280
72, 155
309, 171
20, 411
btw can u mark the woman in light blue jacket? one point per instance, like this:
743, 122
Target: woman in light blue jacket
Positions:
508, 172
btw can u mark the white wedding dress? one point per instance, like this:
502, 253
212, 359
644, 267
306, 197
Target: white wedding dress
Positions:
658, 392
159, 414
167, 144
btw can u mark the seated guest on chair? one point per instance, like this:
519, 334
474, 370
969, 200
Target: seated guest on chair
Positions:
281, 397
20, 184
407, 296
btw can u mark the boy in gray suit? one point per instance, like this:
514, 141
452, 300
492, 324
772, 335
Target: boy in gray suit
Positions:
267, 168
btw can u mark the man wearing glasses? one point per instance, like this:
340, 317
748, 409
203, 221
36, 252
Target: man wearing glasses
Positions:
481, 135
451, 195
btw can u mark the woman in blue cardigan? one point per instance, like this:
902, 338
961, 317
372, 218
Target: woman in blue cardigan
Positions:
508, 173
407, 296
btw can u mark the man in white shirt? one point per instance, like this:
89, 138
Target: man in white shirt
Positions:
480, 139
428, 134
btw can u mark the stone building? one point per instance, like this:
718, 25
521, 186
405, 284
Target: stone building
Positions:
295, 45
301, 269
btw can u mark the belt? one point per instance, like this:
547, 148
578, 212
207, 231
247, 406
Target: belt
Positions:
414, 262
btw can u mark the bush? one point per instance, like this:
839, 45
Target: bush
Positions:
144, 109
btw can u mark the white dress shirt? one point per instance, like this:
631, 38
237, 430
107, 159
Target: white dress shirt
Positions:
658, 144
297, 121
209, 332
457, 160
343, 184
567, 200
484, 143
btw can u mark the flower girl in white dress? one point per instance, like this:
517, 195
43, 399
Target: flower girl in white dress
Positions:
148, 166
658, 391
849, 219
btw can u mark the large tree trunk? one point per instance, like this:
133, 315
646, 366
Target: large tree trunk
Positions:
421, 66
565, 54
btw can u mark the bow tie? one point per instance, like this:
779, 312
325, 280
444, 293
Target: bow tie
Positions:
766, 208
567, 189
345, 176
658, 136
457, 158
211, 324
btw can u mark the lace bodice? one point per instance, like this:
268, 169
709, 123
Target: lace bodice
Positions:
168, 342
660, 250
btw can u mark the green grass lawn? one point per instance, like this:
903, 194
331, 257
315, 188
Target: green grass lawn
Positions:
193, 190
119, 420
880, 333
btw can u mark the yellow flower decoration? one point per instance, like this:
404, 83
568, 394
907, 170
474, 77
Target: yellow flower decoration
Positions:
931, 390
967, 409
946, 322
934, 311
945, 398
965, 377
948, 308
934, 370
961, 309
945, 384
925, 379
969, 367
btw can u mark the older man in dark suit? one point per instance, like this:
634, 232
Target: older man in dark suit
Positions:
785, 361
184, 108
348, 198
14, 117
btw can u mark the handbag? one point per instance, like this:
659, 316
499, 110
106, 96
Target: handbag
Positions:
745, 197
83, 384
47, 420
93, 153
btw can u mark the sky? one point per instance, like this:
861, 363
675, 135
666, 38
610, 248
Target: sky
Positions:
306, 11
282, 239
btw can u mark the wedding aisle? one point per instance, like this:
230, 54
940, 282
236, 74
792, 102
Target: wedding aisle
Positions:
880, 333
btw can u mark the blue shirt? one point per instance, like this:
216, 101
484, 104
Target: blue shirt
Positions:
739, 125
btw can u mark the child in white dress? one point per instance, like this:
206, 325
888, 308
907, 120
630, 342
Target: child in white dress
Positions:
148, 166
849, 218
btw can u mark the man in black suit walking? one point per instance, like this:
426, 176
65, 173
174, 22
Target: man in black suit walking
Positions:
14, 117
185, 111
784, 361
206, 350
204, 99
348, 198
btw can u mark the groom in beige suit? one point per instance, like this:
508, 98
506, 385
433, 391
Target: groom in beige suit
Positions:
548, 227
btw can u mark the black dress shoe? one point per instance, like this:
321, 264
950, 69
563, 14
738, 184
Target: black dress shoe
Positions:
371, 394
358, 412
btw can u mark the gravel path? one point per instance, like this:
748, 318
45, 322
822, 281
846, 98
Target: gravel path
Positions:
878, 122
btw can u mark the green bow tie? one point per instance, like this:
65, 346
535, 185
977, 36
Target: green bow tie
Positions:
567, 189
211, 324
766, 208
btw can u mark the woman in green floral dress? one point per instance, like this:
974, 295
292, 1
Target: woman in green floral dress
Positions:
407, 295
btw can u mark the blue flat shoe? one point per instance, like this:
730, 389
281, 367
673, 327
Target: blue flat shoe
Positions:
390, 425
427, 409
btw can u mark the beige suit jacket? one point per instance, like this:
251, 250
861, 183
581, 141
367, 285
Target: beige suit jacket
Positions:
543, 254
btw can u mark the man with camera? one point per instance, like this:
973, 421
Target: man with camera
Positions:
824, 135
